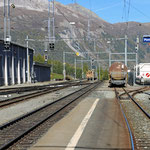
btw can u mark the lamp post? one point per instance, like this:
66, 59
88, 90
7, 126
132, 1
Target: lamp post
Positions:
109, 42
72, 23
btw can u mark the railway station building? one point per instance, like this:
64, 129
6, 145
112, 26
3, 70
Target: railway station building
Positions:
16, 64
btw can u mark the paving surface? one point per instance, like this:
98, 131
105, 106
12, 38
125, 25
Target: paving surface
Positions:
95, 123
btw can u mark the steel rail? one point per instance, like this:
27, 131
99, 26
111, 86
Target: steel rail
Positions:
126, 120
29, 127
28, 96
137, 90
47, 90
138, 105
28, 88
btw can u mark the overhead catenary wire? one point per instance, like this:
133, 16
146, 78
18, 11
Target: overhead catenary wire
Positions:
62, 14
129, 9
126, 13
142, 13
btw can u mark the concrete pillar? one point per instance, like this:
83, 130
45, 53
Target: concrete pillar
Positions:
19, 71
24, 72
13, 74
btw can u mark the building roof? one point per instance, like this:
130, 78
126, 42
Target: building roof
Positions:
2, 41
41, 64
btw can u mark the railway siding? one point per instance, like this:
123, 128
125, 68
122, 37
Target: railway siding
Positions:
139, 123
30, 122
10, 113
144, 100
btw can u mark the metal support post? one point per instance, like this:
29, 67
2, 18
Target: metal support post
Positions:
75, 67
109, 42
126, 44
5, 21
52, 65
94, 46
28, 63
109, 58
134, 74
99, 71
8, 19
64, 66
49, 22
96, 72
137, 49
53, 21
82, 67
5, 34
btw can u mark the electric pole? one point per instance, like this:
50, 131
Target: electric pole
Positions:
7, 37
64, 66
126, 44
75, 67
137, 49
51, 25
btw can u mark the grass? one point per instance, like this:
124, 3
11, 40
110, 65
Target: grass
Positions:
56, 76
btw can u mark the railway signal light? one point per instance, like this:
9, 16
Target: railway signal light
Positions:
51, 46
46, 58
6, 47
13, 6
92, 63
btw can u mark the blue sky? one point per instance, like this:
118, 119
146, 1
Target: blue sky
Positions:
114, 11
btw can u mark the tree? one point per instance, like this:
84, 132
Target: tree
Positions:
38, 58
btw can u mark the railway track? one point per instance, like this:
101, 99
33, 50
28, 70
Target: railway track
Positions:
20, 133
12, 90
39, 92
135, 91
138, 118
136, 103
126, 120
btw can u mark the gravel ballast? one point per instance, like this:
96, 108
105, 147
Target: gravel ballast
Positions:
15, 111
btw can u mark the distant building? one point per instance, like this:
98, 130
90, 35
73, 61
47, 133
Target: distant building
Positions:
41, 72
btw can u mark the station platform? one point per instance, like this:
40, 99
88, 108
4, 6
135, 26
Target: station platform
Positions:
96, 123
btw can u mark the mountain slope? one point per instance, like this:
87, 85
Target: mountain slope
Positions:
30, 18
